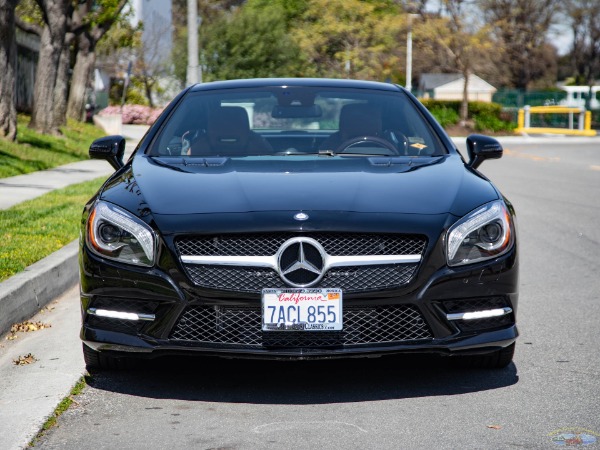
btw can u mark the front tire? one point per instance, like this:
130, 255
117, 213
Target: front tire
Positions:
98, 361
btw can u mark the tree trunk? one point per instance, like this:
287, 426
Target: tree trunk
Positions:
61, 91
43, 118
464, 106
8, 112
82, 74
148, 83
85, 59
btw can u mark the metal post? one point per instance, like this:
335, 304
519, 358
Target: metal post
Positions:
192, 76
581, 119
409, 55
571, 120
588, 120
527, 116
521, 119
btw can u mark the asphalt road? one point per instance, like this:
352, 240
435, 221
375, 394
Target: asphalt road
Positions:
395, 402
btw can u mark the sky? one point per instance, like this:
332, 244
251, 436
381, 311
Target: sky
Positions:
561, 36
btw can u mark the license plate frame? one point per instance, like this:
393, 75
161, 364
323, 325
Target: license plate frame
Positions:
293, 305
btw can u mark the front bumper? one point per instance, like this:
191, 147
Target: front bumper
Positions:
124, 345
168, 295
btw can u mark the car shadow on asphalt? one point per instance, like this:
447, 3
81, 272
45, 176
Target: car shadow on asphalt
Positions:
301, 382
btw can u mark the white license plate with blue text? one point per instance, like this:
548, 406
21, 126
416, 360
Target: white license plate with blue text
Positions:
301, 309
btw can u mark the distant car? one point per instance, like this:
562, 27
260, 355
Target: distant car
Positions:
297, 219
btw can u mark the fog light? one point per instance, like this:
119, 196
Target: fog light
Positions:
120, 314
484, 314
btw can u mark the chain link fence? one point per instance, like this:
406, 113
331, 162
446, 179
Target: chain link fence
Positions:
513, 99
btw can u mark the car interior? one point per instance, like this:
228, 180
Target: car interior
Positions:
296, 122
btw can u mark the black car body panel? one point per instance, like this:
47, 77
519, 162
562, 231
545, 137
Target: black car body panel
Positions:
369, 185
237, 201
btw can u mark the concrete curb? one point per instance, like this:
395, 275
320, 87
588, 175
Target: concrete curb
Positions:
538, 139
24, 294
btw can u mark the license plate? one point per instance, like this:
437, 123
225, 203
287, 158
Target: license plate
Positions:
301, 309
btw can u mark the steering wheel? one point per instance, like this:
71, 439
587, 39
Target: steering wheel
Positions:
379, 142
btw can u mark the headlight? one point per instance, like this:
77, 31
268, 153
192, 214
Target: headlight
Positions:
116, 234
483, 234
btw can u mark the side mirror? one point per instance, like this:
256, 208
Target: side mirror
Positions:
482, 147
110, 148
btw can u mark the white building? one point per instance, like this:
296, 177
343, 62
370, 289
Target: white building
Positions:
576, 96
449, 86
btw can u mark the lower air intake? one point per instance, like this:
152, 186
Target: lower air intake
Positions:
241, 326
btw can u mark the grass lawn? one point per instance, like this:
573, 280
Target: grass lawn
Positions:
34, 229
33, 151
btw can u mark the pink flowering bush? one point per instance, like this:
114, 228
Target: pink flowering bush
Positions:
134, 114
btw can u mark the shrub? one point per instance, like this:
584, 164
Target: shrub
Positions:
484, 109
134, 114
486, 116
485, 122
445, 116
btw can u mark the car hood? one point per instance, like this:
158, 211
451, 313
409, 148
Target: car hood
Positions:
176, 186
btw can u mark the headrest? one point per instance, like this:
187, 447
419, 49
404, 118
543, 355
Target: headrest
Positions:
228, 125
360, 119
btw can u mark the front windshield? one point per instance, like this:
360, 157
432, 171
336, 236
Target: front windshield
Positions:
296, 120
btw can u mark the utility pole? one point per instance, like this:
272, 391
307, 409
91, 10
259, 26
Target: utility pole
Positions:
193, 75
409, 52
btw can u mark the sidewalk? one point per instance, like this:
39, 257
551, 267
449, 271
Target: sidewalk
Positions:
17, 189
24, 294
29, 393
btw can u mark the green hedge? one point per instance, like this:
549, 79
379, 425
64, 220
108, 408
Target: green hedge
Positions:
486, 116
445, 116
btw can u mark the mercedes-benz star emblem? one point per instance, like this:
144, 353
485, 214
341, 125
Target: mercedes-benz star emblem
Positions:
301, 216
301, 262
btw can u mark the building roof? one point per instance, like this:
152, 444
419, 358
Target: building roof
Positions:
430, 81
452, 81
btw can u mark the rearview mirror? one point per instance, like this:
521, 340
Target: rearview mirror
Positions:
110, 148
296, 111
482, 147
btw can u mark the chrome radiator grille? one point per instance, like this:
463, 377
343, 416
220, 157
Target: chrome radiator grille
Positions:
251, 279
241, 326
333, 243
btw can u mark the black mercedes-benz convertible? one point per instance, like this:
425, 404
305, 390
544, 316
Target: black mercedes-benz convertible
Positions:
297, 219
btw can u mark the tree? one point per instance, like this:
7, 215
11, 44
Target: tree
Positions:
55, 14
350, 38
521, 27
115, 50
90, 21
584, 16
461, 44
8, 112
61, 25
250, 43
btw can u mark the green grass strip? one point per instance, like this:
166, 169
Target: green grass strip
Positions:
34, 151
62, 407
34, 229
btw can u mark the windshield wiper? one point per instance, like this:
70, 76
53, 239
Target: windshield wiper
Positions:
332, 153
157, 160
